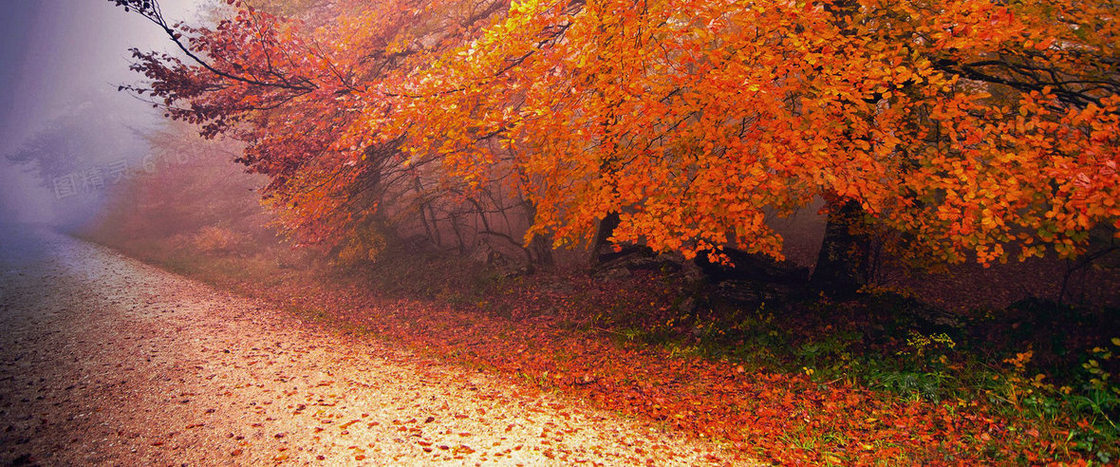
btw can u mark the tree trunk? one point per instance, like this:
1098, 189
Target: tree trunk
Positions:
842, 263
541, 248
602, 250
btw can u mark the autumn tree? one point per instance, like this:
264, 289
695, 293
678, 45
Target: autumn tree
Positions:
77, 142
291, 88
968, 127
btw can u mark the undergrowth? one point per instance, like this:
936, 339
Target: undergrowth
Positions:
1048, 369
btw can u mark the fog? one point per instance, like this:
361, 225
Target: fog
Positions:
67, 135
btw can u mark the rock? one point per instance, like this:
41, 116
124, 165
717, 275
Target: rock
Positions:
638, 259
489, 256
615, 274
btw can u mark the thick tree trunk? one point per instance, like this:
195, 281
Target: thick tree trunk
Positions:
602, 250
541, 249
607, 255
842, 264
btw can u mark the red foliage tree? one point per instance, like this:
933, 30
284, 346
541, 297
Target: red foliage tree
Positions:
967, 125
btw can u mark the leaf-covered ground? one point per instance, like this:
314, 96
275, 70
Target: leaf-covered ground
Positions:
109, 361
555, 332
812, 381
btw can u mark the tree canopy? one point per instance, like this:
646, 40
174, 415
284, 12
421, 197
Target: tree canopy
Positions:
975, 128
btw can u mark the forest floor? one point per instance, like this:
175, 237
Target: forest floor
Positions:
882, 378
106, 360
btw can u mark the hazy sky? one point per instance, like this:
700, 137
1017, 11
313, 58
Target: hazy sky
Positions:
55, 54
55, 57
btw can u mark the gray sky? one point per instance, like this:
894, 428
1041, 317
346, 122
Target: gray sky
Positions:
57, 56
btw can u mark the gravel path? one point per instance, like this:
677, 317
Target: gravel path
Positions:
107, 360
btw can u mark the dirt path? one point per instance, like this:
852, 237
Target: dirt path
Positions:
107, 360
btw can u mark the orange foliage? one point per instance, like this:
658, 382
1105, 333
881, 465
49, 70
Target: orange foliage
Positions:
969, 125
692, 117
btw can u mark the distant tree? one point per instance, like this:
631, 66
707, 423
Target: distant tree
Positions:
186, 187
85, 150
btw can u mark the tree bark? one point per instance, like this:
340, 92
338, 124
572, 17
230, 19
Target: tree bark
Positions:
842, 264
541, 248
602, 250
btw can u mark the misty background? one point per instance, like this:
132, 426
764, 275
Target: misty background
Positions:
66, 134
